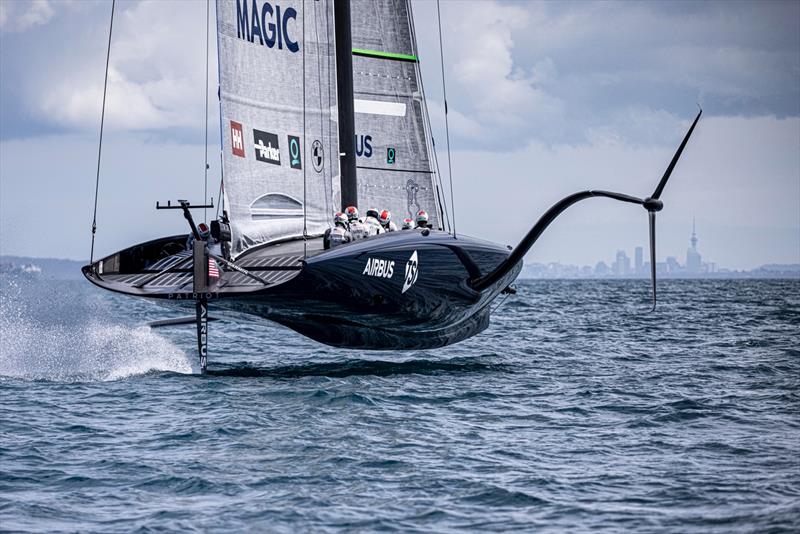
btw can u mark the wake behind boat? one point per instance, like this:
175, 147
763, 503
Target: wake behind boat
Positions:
299, 84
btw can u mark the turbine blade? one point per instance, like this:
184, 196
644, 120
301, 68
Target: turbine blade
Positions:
652, 217
660, 188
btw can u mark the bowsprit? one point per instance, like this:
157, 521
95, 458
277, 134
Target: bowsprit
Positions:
265, 24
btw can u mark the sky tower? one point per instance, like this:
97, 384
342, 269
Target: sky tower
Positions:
693, 258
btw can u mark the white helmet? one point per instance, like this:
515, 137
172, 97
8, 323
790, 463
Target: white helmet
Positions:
351, 212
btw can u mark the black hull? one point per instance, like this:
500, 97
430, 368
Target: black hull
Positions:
364, 295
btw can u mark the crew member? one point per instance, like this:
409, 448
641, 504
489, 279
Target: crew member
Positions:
203, 231
358, 230
408, 224
422, 219
339, 234
386, 221
372, 222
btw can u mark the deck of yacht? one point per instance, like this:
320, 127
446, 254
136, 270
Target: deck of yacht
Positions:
272, 265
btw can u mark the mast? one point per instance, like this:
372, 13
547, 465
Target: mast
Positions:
344, 93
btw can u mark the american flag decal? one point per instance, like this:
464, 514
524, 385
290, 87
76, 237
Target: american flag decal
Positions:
213, 271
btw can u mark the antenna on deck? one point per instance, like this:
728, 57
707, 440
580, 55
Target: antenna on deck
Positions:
186, 206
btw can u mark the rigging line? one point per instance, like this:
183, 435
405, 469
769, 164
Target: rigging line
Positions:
221, 197
305, 227
446, 125
331, 46
319, 72
500, 303
100, 144
205, 145
441, 200
331, 52
321, 115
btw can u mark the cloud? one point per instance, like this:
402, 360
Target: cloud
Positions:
22, 16
156, 72
494, 95
563, 72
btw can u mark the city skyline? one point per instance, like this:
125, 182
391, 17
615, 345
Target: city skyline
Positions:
623, 266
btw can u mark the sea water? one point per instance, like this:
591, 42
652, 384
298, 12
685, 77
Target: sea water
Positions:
577, 409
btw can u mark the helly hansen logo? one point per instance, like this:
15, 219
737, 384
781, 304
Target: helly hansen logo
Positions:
237, 139
266, 145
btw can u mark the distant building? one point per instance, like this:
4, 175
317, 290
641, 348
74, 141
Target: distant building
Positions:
673, 267
694, 261
638, 253
622, 265
601, 269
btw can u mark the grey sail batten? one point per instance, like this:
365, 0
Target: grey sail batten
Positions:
394, 152
277, 90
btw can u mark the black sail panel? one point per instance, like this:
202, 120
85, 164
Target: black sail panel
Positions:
393, 142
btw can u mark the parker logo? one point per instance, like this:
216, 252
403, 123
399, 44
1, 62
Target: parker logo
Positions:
265, 24
412, 269
266, 145
237, 139
294, 153
379, 268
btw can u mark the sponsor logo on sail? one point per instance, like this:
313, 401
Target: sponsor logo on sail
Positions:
412, 188
364, 146
237, 139
390, 155
412, 269
266, 146
378, 267
294, 153
266, 24
317, 155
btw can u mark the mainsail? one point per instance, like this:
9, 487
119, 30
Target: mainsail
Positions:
393, 143
279, 136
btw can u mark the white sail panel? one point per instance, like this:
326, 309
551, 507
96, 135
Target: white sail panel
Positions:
279, 138
393, 143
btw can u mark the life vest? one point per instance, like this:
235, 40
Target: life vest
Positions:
339, 236
358, 230
373, 226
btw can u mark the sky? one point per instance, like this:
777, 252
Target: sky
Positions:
544, 99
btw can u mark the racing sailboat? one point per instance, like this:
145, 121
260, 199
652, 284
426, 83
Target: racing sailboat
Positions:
322, 107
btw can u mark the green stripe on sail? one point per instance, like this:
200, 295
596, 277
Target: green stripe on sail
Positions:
384, 55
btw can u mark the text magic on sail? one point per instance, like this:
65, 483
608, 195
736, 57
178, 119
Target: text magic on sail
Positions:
265, 24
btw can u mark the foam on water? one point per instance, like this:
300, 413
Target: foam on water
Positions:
77, 350
94, 352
